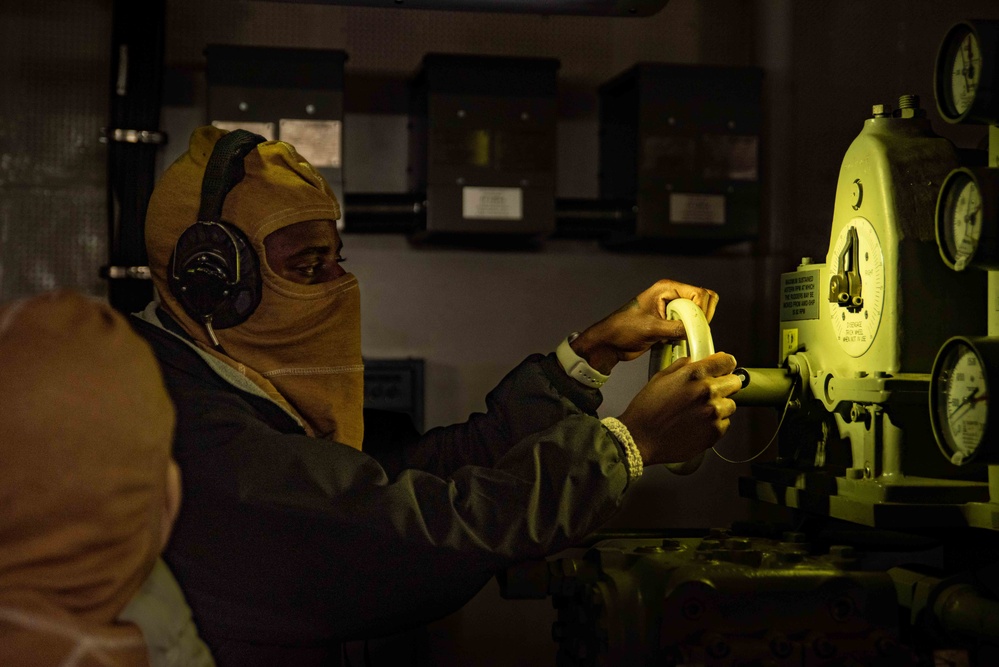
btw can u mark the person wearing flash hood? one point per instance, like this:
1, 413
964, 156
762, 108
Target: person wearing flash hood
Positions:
309, 521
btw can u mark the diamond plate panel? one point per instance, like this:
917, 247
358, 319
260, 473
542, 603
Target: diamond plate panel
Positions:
54, 63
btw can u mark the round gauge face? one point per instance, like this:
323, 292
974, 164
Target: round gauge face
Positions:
964, 61
961, 223
962, 402
856, 256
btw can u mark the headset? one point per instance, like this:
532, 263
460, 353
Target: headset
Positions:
215, 273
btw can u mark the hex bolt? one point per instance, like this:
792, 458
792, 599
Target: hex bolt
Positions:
737, 543
716, 646
881, 110
823, 648
842, 551
692, 609
886, 645
841, 609
780, 646
671, 545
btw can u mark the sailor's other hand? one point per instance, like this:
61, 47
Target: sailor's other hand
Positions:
684, 409
632, 329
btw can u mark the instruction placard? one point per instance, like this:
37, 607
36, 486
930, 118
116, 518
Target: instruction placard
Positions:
492, 203
318, 141
799, 296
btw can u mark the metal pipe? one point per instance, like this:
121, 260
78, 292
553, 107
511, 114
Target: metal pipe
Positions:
963, 611
769, 387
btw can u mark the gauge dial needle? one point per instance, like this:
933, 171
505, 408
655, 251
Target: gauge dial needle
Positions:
970, 61
962, 408
971, 214
964, 67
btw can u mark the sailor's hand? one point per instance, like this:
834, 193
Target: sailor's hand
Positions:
629, 331
684, 409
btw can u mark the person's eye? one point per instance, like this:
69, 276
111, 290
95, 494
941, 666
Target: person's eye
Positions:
309, 270
339, 260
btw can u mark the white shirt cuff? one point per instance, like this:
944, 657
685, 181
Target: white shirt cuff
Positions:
634, 457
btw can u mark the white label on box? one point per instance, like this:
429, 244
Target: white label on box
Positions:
687, 209
266, 130
492, 203
318, 141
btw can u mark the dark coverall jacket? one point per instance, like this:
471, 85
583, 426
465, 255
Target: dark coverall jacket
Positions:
287, 544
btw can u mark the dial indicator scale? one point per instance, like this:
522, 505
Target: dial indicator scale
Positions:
967, 216
857, 286
966, 73
961, 410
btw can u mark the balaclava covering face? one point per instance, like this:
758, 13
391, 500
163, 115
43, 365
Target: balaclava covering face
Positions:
302, 345
85, 435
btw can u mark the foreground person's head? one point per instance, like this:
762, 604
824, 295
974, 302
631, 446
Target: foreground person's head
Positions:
88, 489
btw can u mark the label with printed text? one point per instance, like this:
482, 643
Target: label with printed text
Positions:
799, 296
492, 203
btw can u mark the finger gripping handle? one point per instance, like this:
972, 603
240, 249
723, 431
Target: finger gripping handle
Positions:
698, 343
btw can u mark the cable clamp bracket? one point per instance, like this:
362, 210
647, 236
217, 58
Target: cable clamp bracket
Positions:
122, 136
126, 273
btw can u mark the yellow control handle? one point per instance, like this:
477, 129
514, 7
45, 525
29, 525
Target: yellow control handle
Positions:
697, 346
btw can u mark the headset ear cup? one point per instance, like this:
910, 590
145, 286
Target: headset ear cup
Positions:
216, 274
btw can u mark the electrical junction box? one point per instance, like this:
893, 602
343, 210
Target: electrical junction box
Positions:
295, 95
683, 143
482, 145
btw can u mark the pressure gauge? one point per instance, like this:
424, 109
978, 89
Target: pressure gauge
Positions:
967, 224
856, 286
965, 76
961, 412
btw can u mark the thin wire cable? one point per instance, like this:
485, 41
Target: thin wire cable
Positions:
780, 423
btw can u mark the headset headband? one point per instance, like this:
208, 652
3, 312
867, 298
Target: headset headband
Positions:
224, 170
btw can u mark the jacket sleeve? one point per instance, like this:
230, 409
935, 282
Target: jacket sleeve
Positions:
290, 539
534, 396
